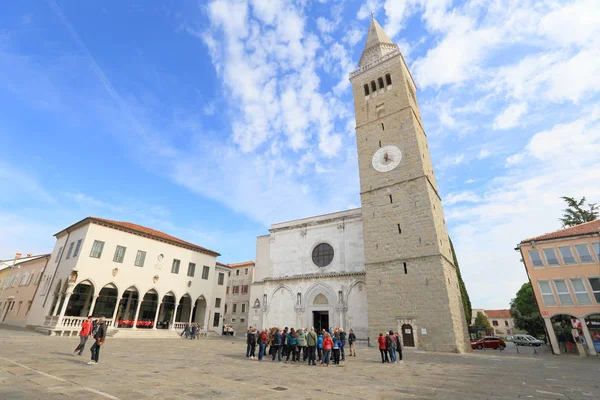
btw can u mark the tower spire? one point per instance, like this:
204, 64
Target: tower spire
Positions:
377, 45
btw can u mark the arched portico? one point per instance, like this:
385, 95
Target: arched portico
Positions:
166, 311
107, 301
82, 300
199, 311
147, 312
562, 327
127, 308
184, 310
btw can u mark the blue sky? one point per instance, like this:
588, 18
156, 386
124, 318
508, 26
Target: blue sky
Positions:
211, 120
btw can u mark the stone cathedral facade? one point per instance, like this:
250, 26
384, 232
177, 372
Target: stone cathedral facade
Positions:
387, 265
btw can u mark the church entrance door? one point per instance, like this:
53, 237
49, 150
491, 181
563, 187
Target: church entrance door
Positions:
320, 320
408, 336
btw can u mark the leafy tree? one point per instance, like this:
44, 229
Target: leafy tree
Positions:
575, 213
525, 312
482, 320
463, 289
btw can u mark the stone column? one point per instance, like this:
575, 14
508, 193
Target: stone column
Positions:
206, 318
137, 313
64, 307
588, 338
114, 316
552, 335
156, 315
57, 305
191, 314
91, 312
87, 305
172, 327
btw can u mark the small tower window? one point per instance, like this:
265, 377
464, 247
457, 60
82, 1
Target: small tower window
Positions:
405, 269
388, 79
366, 89
380, 81
399, 228
373, 86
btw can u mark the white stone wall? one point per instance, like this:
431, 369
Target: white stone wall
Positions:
155, 274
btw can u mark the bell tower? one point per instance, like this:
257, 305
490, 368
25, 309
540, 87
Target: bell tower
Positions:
412, 283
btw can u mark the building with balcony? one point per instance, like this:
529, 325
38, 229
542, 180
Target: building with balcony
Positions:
237, 298
133, 276
564, 270
501, 321
19, 287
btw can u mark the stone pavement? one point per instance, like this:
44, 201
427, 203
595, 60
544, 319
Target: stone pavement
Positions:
33, 366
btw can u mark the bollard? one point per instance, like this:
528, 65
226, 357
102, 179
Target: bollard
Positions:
368, 342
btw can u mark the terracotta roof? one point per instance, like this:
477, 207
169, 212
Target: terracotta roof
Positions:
497, 313
144, 231
587, 228
241, 264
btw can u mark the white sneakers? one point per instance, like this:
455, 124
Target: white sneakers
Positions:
91, 362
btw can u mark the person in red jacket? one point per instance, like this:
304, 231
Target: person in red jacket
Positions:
86, 330
327, 345
383, 348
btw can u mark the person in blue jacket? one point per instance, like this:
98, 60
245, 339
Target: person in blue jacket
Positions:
320, 347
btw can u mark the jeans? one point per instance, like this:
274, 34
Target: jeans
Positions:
320, 353
384, 355
247, 349
261, 351
95, 351
81, 346
311, 355
399, 349
326, 354
276, 351
252, 350
303, 351
336, 356
291, 350
392, 354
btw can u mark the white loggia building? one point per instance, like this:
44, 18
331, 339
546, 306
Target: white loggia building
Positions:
135, 277
311, 272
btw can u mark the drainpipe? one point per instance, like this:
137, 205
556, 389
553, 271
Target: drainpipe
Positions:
38, 285
56, 270
534, 296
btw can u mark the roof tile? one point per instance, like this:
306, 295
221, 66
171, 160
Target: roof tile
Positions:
587, 228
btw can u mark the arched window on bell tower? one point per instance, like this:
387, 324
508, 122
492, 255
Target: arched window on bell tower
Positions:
380, 81
388, 79
373, 86
366, 89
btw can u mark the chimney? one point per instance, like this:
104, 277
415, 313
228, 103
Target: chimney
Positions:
17, 256
28, 254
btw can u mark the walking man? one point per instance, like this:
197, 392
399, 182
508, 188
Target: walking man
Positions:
86, 330
100, 336
351, 340
343, 343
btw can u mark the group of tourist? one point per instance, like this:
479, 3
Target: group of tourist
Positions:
191, 331
390, 344
95, 329
302, 345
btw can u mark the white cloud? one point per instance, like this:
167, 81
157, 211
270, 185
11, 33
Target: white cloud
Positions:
483, 153
509, 118
461, 197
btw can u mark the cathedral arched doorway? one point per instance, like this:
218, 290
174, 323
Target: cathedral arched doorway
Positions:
320, 312
408, 335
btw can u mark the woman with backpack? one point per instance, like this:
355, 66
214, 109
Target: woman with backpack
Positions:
337, 344
391, 346
301, 344
262, 343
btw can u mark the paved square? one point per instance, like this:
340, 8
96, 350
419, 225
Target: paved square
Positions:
33, 366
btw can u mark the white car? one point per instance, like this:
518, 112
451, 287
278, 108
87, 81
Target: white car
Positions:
526, 340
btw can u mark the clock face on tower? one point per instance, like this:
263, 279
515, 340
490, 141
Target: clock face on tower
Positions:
387, 158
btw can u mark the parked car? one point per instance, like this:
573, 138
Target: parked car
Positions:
526, 340
489, 342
